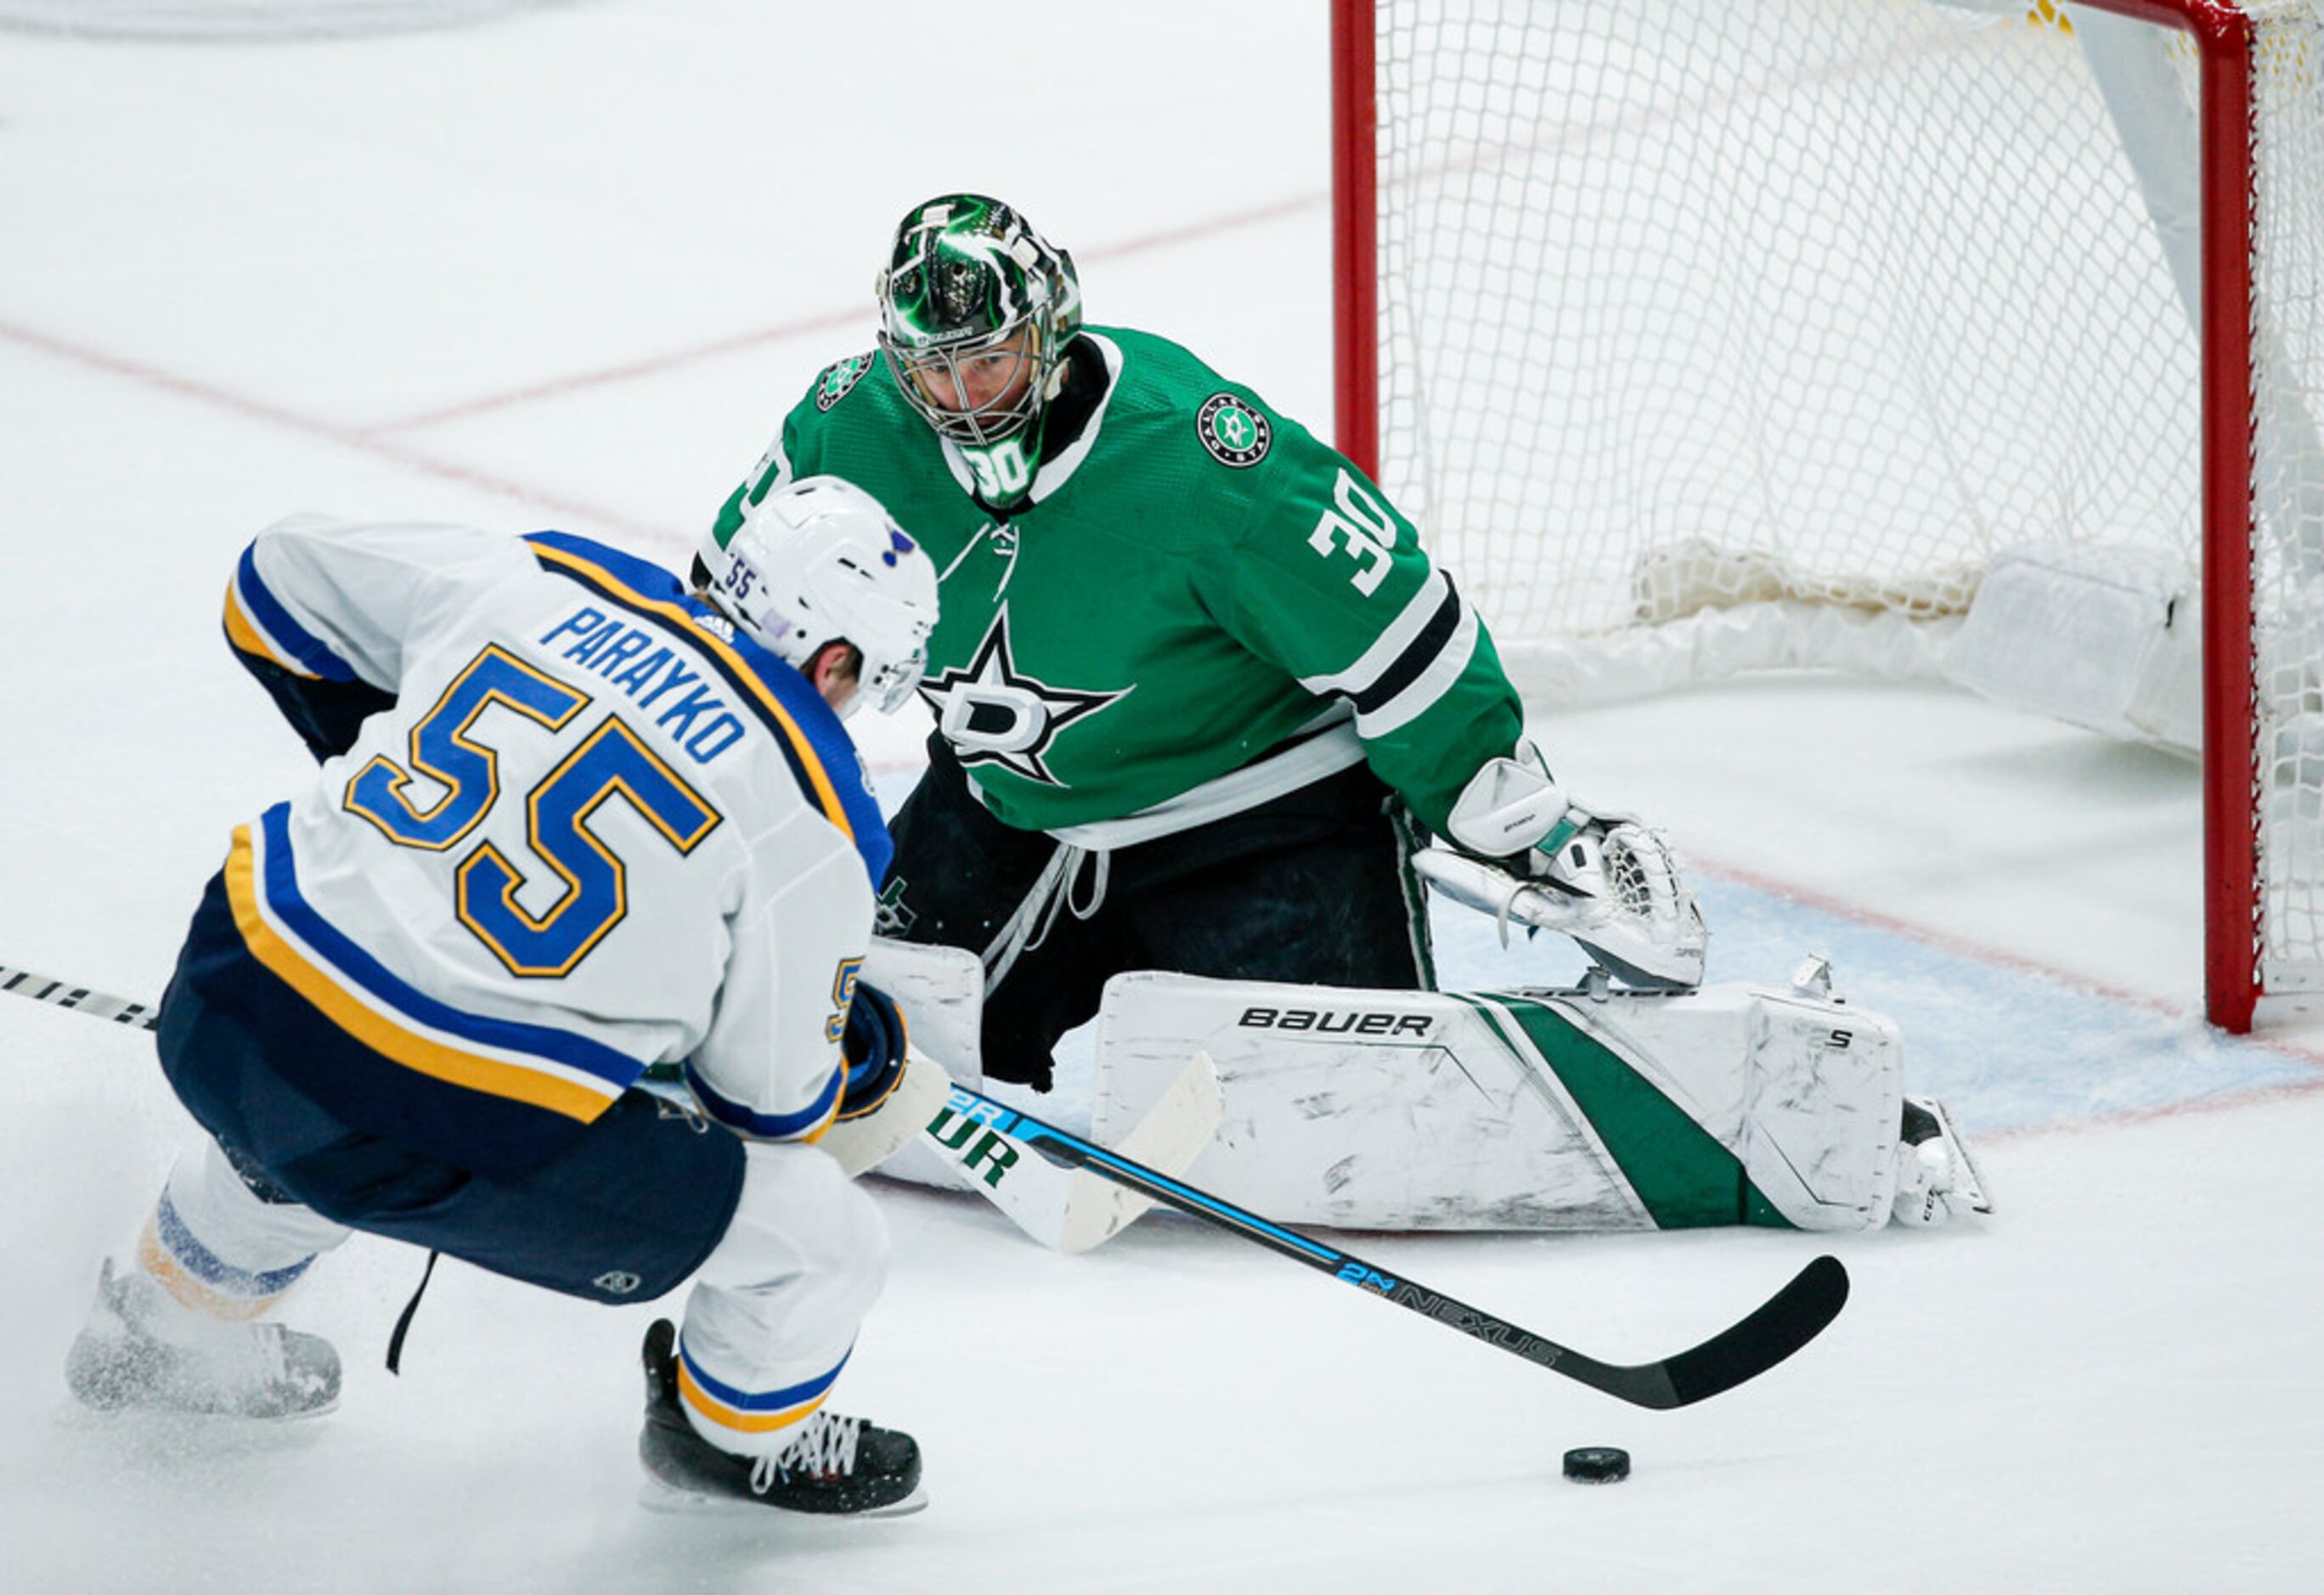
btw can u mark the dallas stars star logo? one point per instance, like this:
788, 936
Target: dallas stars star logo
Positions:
991, 714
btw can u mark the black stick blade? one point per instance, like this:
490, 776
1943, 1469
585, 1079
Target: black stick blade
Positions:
1782, 1324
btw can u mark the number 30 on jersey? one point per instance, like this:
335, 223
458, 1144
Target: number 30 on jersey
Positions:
1363, 524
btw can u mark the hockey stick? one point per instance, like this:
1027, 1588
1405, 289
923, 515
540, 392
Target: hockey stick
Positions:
1069, 1211
97, 1005
1781, 1325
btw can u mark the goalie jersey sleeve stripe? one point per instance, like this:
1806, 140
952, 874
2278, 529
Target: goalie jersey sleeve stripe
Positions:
803, 727
1418, 656
1444, 666
258, 623
1414, 662
1396, 640
555, 1070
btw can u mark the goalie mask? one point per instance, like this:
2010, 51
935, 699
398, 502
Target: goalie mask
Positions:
975, 311
818, 562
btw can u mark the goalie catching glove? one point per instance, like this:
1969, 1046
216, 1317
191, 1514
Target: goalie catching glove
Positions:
1528, 854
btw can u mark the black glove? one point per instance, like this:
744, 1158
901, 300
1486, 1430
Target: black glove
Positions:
874, 1048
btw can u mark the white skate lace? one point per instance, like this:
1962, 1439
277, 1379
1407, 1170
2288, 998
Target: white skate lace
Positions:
825, 1447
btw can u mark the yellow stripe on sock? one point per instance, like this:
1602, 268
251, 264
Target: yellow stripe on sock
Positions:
735, 1418
155, 1260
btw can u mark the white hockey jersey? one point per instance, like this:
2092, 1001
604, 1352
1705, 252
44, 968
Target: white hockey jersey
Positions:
596, 830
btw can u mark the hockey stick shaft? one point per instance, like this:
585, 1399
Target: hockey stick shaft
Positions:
121, 1010
97, 1005
1781, 1325
1075, 1221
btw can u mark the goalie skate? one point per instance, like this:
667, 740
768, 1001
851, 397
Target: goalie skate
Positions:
1614, 887
834, 1466
141, 1350
1935, 1175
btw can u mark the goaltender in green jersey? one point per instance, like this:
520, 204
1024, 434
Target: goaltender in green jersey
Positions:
1197, 686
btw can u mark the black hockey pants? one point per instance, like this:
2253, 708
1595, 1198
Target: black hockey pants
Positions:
1314, 887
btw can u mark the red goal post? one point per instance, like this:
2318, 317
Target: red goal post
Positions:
1654, 316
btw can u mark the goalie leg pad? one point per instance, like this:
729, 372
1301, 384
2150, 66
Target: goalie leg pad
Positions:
941, 991
1444, 1110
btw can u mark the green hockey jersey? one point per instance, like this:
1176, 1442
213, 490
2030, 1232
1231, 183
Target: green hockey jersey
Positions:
1186, 605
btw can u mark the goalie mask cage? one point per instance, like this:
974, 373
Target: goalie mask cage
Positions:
1647, 310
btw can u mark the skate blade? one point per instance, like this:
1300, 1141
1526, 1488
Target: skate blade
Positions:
133, 1411
655, 1496
128, 1407
1969, 1181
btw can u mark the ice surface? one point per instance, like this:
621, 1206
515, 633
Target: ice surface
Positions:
569, 270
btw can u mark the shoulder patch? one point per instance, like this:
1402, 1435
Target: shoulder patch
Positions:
836, 379
1234, 432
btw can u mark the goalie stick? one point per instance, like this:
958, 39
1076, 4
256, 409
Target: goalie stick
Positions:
1069, 1211
1779, 1326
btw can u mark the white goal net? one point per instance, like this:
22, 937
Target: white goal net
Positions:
1712, 335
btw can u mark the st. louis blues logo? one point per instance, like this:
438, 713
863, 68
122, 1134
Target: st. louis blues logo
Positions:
992, 714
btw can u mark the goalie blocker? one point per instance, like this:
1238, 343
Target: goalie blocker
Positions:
1601, 1110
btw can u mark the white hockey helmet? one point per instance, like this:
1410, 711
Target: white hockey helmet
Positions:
818, 562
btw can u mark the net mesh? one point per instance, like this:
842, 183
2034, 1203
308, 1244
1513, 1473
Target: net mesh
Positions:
1700, 303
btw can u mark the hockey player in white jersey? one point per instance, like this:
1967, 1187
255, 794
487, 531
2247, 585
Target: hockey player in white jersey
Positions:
573, 820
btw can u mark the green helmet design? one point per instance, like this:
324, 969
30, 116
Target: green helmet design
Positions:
975, 311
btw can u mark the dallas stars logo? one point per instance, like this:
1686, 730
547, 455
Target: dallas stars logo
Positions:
890, 917
1235, 434
993, 715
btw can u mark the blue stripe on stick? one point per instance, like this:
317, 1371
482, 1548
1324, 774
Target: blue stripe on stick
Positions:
1033, 1131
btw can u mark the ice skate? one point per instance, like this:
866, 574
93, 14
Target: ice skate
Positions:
1935, 1175
835, 1465
141, 1350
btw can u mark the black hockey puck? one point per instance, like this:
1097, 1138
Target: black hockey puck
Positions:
1598, 1464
